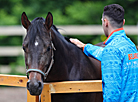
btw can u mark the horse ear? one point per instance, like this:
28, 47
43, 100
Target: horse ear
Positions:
25, 21
49, 20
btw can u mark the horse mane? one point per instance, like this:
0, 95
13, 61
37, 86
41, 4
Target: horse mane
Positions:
36, 29
55, 28
66, 38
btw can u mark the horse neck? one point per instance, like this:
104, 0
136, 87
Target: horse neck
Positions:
65, 64
59, 41
59, 69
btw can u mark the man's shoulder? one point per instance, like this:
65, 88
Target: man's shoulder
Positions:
121, 41
121, 46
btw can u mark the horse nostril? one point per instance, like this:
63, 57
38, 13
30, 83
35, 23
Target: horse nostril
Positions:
40, 84
28, 85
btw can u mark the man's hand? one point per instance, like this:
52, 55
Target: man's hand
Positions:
77, 42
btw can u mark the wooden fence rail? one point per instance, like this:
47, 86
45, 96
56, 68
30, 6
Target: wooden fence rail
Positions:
64, 30
52, 88
68, 30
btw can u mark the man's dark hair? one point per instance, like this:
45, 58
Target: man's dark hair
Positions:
115, 13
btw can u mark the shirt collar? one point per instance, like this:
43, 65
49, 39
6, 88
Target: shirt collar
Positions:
112, 33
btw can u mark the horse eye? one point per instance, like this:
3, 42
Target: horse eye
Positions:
48, 49
24, 49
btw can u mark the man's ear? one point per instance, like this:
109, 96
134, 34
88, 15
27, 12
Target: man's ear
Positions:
106, 22
124, 21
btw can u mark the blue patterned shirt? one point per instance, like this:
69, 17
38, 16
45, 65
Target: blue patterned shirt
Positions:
119, 73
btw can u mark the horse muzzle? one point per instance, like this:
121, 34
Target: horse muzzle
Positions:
35, 87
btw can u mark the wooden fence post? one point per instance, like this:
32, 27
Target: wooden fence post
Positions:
46, 94
31, 98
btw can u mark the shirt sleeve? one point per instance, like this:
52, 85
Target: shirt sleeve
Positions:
111, 74
93, 51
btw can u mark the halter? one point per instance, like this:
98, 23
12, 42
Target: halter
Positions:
50, 66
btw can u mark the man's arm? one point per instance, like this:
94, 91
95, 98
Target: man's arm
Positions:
89, 49
111, 74
93, 51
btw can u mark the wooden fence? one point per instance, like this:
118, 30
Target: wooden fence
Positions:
52, 88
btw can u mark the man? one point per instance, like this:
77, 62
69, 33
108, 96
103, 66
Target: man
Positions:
119, 69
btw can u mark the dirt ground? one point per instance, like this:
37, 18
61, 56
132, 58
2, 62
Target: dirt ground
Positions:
12, 94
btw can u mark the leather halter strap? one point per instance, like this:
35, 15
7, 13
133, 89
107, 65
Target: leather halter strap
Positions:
50, 66
41, 72
35, 70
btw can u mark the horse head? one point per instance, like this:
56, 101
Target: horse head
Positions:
38, 49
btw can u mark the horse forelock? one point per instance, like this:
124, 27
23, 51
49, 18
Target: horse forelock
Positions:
36, 29
38, 19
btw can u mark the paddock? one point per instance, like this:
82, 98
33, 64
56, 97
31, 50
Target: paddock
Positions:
52, 88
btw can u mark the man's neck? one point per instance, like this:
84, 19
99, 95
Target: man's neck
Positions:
111, 30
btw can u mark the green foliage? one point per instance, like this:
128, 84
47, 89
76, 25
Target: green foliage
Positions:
64, 11
85, 12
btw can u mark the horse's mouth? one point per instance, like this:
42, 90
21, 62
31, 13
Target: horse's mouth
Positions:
35, 91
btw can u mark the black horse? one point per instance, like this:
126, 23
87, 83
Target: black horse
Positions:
49, 57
